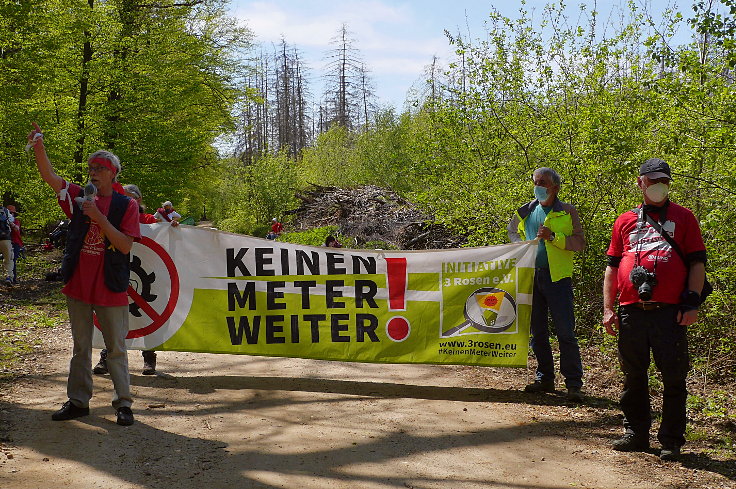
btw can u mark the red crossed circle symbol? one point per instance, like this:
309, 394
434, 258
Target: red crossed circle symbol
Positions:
157, 319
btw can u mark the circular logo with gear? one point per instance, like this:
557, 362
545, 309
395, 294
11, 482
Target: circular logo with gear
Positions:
153, 289
152, 294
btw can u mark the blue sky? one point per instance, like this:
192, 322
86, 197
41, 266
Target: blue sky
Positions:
396, 39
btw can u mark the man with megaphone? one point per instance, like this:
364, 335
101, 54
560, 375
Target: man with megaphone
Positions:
95, 270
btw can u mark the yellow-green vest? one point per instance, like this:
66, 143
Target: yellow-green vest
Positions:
560, 222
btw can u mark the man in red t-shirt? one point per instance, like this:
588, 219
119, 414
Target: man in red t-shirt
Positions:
276, 227
149, 356
658, 294
96, 270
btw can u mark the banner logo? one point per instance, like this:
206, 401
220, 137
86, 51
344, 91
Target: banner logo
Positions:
487, 309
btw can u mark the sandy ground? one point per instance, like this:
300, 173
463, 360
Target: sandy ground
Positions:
249, 422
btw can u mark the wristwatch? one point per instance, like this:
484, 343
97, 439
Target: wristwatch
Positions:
552, 236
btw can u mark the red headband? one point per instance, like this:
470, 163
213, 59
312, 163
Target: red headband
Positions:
106, 163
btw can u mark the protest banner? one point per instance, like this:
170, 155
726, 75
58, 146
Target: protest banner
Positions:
204, 290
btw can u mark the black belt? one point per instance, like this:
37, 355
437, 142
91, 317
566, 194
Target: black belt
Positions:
649, 306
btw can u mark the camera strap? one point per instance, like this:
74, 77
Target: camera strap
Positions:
658, 227
641, 212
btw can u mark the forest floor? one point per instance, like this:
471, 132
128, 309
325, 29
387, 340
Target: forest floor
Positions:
255, 422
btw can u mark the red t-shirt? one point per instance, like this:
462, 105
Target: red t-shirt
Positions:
88, 280
277, 227
15, 233
147, 218
629, 238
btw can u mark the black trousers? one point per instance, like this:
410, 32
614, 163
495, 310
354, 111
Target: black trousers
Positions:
656, 331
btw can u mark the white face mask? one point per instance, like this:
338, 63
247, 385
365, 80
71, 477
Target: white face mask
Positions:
657, 192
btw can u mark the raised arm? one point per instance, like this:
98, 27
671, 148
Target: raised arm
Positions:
42, 160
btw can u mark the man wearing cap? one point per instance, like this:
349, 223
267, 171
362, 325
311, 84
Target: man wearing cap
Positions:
658, 295
149, 356
167, 213
96, 272
557, 226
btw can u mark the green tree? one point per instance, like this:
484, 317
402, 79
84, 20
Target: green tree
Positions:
155, 83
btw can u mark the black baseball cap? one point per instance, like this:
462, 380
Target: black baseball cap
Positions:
655, 168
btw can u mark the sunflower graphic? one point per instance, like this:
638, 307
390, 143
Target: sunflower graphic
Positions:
490, 306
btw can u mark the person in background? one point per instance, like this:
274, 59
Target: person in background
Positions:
149, 356
134, 193
557, 227
276, 227
16, 240
166, 213
658, 290
331, 242
6, 245
96, 271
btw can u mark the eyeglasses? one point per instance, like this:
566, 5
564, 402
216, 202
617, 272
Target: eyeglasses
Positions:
96, 169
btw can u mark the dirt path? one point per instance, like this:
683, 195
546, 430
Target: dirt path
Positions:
247, 422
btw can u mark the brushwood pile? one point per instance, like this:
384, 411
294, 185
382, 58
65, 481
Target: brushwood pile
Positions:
371, 214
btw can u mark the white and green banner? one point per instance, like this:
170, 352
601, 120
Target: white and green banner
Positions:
198, 289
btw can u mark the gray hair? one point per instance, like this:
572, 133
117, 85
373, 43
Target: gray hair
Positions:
133, 189
109, 157
550, 173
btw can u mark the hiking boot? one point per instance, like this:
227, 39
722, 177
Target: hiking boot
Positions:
149, 363
669, 453
101, 367
574, 394
541, 386
631, 443
69, 411
8, 281
125, 416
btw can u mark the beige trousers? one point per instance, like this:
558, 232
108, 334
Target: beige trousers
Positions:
6, 248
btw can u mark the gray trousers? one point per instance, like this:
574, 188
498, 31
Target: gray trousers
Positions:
114, 325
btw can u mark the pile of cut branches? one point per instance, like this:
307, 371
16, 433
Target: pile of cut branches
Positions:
372, 214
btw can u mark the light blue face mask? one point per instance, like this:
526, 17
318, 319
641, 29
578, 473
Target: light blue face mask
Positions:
540, 193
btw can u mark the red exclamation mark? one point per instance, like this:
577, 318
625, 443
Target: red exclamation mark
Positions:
396, 271
397, 327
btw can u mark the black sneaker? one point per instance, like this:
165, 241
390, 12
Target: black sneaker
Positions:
669, 453
541, 386
69, 411
631, 443
101, 367
125, 416
574, 394
149, 363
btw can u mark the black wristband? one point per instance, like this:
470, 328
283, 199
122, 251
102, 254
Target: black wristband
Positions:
691, 299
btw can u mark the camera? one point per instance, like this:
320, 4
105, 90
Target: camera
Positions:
644, 281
